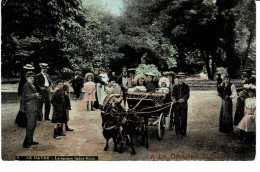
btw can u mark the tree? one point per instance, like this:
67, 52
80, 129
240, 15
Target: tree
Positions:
32, 31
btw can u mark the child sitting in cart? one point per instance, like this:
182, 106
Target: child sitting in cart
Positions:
164, 84
140, 82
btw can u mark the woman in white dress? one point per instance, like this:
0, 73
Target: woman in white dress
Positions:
103, 75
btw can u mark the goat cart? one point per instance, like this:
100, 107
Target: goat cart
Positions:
153, 108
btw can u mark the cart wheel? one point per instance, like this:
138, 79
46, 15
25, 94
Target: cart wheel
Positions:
170, 122
161, 126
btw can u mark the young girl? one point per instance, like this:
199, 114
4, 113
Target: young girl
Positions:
247, 125
90, 90
164, 84
67, 106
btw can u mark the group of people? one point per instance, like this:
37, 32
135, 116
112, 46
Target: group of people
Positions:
98, 85
34, 90
245, 115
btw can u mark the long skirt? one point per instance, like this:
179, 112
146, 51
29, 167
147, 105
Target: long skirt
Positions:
239, 110
100, 92
247, 124
225, 118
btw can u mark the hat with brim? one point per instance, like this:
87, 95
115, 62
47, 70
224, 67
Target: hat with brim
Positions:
89, 74
247, 70
164, 80
30, 74
181, 74
137, 77
44, 65
169, 73
131, 70
248, 90
226, 75
28, 67
150, 74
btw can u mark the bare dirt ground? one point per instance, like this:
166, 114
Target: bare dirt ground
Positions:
203, 141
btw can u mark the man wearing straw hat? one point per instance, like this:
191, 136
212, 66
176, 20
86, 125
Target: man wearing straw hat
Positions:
21, 119
43, 84
180, 96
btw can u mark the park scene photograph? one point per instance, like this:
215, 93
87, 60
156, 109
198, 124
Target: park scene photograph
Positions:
128, 80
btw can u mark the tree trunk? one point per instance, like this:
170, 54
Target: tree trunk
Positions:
248, 47
205, 58
214, 57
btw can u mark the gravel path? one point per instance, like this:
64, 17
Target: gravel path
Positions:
203, 142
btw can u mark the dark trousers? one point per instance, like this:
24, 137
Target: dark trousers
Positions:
77, 92
31, 125
96, 104
181, 116
46, 100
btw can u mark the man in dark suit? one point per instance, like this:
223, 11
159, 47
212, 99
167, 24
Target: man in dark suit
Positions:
180, 96
77, 83
43, 84
21, 119
29, 106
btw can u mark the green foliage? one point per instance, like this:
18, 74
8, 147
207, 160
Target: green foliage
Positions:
148, 68
79, 35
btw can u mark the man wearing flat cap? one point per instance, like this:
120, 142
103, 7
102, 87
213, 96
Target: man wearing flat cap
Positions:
30, 98
43, 84
180, 96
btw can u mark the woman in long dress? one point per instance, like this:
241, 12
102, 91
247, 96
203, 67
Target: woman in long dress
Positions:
227, 91
103, 75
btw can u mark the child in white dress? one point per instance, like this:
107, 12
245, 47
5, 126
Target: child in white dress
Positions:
164, 84
247, 125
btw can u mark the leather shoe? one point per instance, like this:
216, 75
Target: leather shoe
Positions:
34, 143
62, 134
26, 146
69, 129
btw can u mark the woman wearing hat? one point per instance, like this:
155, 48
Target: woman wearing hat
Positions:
150, 85
180, 95
90, 91
21, 119
140, 81
227, 91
